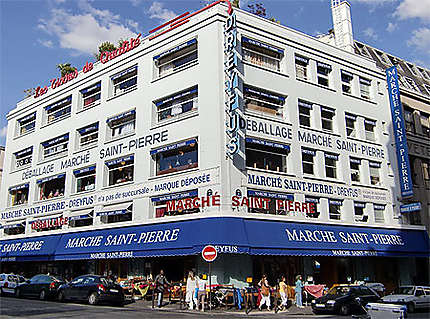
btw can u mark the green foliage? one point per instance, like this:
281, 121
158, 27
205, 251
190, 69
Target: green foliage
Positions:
105, 46
235, 3
29, 92
65, 68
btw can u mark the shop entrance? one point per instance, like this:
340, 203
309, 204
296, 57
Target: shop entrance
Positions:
276, 266
175, 268
115, 267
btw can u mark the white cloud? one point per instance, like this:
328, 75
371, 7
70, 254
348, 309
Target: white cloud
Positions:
420, 39
414, 9
3, 131
135, 3
157, 11
391, 27
374, 2
370, 33
46, 43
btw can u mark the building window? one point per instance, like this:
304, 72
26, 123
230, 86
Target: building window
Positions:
354, 165
55, 147
14, 229
425, 124
120, 170
308, 161
18, 195
411, 84
261, 54
116, 213
350, 121
426, 172
85, 179
359, 215
27, 124
177, 104
409, 119
423, 73
23, 158
175, 204
81, 218
266, 155
327, 116
346, 78
369, 129
365, 88
177, 157
90, 96
122, 124
379, 211
51, 187
176, 58
335, 209
88, 136
316, 204
374, 173
302, 67
305, 109
323, 73
124, 81
271, 203
330, 165
264, 102
59, 110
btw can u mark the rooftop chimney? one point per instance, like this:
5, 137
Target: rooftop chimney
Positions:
342, 25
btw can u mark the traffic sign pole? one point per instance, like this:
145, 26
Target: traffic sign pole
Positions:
210, 288
209, 254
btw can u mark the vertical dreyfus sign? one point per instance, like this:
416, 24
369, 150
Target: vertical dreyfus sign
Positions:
399, 133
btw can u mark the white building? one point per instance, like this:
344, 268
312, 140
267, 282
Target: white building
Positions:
108, 165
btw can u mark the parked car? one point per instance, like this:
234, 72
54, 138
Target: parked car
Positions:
41, 286
413, 297
343, 299
92, 288
8, 283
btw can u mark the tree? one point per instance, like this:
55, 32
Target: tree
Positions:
29, 92
236, 3
65, 68
105, 46
257, 9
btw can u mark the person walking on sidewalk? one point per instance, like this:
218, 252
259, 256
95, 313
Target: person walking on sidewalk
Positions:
284, 294
190, 296
161, 283
299, 291
265, 293
201, 294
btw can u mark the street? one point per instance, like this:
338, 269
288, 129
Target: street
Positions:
30, 308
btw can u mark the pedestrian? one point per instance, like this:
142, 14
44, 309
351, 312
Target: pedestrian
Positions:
299, 291
264, 292
283, 291
190, 296
201, 294
161, 284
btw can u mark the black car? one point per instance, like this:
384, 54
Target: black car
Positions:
343, 300
41, 286
92, 288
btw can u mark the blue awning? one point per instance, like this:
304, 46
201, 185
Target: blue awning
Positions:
47, 179
173, 146
120, 116
327, 109
24, 152
365, 81
255, 193
355, 160
302, 59
8, 226
347, 74
331, 156
66, 100
350, 116
22, 186
90, 128
56, 140
264, 94
371, 122
378, 207
175, 49
113, 212
190, 194
335, 202
29, 117
324, 65
177, 96
268, 143
305, 104
359, 205
308, 151
312, 200
80, 217
127, 71
85, 170
95, 86
119, 160
262, 45
374, 164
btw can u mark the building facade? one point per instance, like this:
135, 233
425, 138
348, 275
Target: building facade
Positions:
220, 128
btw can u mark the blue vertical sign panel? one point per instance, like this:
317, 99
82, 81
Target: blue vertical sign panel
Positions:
405, 176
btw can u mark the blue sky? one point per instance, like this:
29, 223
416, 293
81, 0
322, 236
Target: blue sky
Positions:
36, 35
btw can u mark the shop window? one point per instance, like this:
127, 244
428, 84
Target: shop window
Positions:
88, 136
354, 165
305, 109
308, 161
14, 229
323, 74
414, 173
350, 121
176, 58
411, 84
426, 172
262, 101
375, 178
270, 203
335, 209
369, 129
48, 224
23, 158
90, 96
261, 54
55, 147
84, 179
327, 116
27, 124
266, 155
175, 204
409, 119
121, 125
346, 78
425, 124
365, 85
51, 187
302, 67
116, 213
18, 195
379, 211
81, 218
330, 165
177, 157
120, 170
178, 104
124, 81
58, 110
316, 202
359, 215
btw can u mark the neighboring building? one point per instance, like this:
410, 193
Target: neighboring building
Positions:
215, 129
2, 151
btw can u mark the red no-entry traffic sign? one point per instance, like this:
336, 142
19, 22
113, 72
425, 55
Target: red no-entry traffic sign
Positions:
209, 253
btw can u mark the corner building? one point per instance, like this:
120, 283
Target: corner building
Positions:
217, 128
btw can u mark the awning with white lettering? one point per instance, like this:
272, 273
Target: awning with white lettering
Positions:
262, 45
268, 143
82, 214
15, 225
257, 92
350, 116
355, 160
91, 88
374, 164
302, 59
19, 187
324, 65
378, 207
371, 122
118, 209
24, 152
127, 71
365, 81
84, 170
256, 193
63, 101
29, 117
175, 49
56, 140
305, 104
120, 116
116, 161
312, 200
177, 96
47, 179
308, 151
347, 74
359, 205
91, 128
191, 142
190, 194
331, 156
327, 109
335, 202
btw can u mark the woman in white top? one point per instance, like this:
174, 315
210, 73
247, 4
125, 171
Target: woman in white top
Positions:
192, 284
